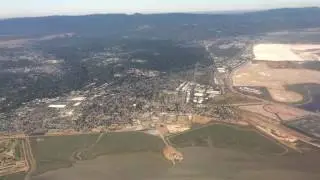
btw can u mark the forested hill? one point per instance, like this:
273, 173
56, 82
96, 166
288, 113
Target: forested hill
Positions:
174, 25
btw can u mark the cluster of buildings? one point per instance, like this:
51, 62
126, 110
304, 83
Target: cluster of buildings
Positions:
197, 93
135, 99
219, 51
48, 114
132, 106
28, 60
250, 90
146, 73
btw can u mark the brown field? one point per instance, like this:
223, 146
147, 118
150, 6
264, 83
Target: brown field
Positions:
259, 110
275, 80
201, 119
286, 113
162, 129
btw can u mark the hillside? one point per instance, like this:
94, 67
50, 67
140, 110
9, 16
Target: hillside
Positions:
167, 26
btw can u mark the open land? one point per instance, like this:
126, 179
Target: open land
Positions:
275, 80
16, 176
227, 136
61, 152
280, 68
287, 52
216, 151
200, 163
56, 152
276, 111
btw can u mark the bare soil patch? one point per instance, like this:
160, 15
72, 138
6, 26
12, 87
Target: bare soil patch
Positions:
275, 80
201, 119
274, 111
287, 52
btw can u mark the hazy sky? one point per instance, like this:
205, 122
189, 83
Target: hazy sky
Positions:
14, 8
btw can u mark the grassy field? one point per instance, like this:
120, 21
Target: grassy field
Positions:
17, 176
124, 142
225, 136
18, 149
56, 152
61, 152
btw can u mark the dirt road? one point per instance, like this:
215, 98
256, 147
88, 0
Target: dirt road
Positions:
31, 160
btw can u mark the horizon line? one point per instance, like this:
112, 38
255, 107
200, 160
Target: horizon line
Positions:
227, 11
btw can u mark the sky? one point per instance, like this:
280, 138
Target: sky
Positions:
22, 8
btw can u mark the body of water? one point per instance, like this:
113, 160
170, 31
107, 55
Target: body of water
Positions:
311, 93
200, 163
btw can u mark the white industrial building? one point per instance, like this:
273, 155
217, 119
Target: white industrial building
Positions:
57, 106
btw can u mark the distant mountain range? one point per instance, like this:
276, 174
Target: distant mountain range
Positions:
167, 26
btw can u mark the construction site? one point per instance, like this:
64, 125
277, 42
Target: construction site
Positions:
13, 156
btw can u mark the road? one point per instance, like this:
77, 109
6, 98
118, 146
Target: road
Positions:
31, 159
23, 136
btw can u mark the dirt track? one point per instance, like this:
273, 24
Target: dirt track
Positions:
276, 111
31, 159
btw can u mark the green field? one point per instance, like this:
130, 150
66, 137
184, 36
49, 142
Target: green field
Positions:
56, 152
18, 149
125, 142
225, 136
60, 152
